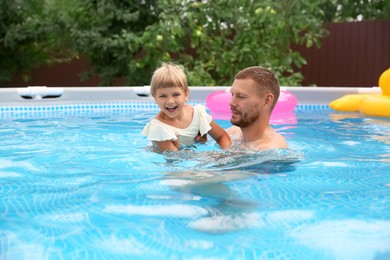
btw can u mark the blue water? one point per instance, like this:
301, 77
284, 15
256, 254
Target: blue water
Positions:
88, 187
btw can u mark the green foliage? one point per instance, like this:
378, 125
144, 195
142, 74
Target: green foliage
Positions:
29, 37
128, 39
352, 10
215, 39
108, 33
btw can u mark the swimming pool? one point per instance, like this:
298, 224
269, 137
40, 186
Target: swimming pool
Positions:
80, 182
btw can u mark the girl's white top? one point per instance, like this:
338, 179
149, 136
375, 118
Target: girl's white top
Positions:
156, 130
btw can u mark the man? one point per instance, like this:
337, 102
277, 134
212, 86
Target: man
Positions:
255, 91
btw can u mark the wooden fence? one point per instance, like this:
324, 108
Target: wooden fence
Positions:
354, 54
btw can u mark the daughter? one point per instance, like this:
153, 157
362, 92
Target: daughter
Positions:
178, 123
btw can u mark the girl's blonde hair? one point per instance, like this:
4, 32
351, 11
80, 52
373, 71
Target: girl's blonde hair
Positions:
167, 76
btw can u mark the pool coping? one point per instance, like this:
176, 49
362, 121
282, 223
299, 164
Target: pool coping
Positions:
39, 96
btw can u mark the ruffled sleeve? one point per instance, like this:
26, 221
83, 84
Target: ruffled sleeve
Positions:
157, 131
204, 119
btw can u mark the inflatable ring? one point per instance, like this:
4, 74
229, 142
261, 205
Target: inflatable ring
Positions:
218, 103
367, 104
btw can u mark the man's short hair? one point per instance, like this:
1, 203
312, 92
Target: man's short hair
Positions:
266, 82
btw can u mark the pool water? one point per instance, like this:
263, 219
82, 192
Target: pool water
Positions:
88, 186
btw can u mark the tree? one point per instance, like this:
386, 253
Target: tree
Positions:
108, 33
215, 39
28, 38
212, 39
130, 38
352, 10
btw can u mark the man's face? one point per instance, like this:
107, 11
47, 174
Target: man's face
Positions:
246, 104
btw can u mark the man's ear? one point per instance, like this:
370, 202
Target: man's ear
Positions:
269, 99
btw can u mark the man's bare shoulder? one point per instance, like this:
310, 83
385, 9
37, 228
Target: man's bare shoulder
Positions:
270, 140
234, 131
278, 141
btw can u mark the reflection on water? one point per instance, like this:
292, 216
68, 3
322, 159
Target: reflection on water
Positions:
335, 117
378, 128
381, 127
385, 158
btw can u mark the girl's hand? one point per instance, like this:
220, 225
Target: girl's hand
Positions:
201, 139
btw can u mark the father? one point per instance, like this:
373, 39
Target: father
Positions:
255, 91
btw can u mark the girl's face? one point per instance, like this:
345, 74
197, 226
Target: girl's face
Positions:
171, 100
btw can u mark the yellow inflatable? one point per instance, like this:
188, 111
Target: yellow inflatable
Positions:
368, 104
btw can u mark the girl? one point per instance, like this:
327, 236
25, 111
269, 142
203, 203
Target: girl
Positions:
178, 123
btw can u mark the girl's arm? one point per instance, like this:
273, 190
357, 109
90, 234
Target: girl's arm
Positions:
201, 138
220, 135
168, 145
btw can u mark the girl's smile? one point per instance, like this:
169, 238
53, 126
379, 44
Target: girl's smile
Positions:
171, 101
171, 109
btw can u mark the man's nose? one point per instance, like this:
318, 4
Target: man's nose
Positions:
232, 101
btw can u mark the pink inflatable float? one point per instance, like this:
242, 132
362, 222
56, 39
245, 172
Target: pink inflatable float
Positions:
218, 103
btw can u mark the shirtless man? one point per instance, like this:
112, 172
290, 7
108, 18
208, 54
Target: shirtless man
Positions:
255, 91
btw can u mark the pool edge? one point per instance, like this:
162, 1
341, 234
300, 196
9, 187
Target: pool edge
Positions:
33, 96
